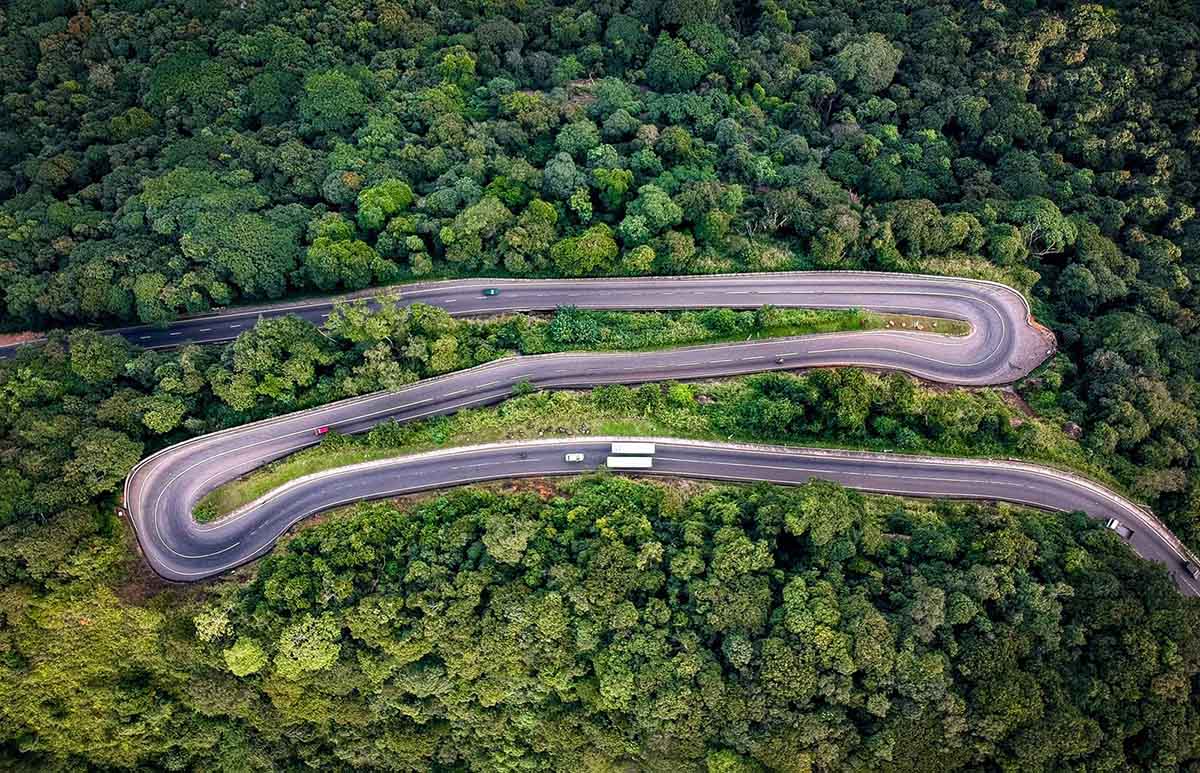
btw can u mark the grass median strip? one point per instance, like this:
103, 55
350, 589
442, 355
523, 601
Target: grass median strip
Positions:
844, 408
574, 329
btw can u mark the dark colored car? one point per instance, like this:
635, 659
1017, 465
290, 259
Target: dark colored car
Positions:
490, 291
1192, 569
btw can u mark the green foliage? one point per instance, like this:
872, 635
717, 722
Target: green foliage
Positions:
308, 645
134, 122
100, 461
163, 160
472, 233
274, 360
245, 657
561, 177
380, 202
337, 259
655, 207
254, 252
591, 252
332, 101
577, 138
868, 63
97, 358
191, 79
175, 202
458, 68
526, 244
631, 612
673, 66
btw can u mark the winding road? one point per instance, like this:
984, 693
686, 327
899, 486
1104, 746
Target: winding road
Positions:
204, 550
1004, 344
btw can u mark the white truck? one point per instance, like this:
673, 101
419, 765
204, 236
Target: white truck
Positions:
629, 462
633, 449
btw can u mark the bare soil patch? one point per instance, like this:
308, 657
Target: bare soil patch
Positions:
8, 339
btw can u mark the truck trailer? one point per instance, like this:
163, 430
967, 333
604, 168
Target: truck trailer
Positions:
633, 449
629, 462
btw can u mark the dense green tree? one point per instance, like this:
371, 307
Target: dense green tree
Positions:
332, 101
673, 66
380, 202
658, 616
655, 207
868, 63
274, 360
472, 234
591, 252
256, 253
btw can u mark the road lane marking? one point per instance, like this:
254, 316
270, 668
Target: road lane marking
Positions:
1061, 479
812, 279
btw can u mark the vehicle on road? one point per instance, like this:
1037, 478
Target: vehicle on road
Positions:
490, 291
629, 462
1192, 569
1123, 531
573, 458
320, 431
778, 360
633, 449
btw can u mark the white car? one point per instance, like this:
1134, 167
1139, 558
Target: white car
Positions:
573, 458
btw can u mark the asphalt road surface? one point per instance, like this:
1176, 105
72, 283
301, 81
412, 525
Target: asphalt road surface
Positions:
181, 549
1003, 346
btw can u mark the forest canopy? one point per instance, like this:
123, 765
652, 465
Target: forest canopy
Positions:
159, 159
614, 623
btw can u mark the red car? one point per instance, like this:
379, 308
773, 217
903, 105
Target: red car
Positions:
320, 431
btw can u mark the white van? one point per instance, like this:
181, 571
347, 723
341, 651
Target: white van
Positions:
1123, 531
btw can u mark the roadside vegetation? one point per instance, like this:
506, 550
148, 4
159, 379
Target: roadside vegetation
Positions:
842, 408
77, 413
574, 329
165, 158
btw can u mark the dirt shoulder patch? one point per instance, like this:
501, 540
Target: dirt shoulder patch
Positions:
11, 339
